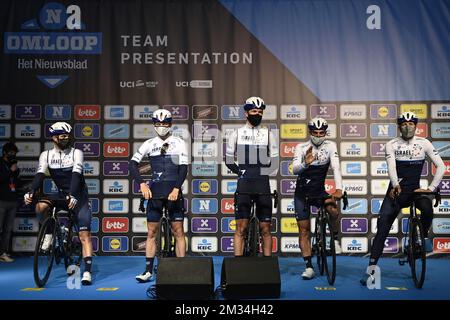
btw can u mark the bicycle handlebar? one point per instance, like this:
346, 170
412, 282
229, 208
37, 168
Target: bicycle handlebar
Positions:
323, 198
274, 194
436, 194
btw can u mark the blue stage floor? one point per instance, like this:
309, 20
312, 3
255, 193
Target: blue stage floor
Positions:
114, 279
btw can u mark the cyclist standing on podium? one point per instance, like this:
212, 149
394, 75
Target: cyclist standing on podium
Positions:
405, 156
256, 150
169, 164
311, 162
65, 165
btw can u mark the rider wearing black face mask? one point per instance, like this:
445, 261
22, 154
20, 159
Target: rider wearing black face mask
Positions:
252, 154
9, 178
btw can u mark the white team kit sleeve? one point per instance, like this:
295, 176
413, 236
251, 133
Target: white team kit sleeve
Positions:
142, 151
273, 145
78, 161
392, 167
43, 163
183, 153
231, 144
298, 164
437, 160
335, 165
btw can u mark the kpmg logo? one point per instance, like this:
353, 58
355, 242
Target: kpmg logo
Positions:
117, 112
144, 112
440, 111
355, 187
58, 112
383, 111
289, 244
205, 112
353, 111
116, 168
204, 205
5, 112
204, 150
90, 149
179, 112
354, 225
353, 149
293, 112
28, 131
116, 131
28, 112
383, 130
232, 112
353, 131
204, 225
326, 111
87, 131
27, 168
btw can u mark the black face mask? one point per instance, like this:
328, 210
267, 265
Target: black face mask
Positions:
11, 159
254, 119
63, 143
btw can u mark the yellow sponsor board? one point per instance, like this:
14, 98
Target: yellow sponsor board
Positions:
289, 225
419, 109
406, 210
205, 186
232, 225
293, 131
32, 289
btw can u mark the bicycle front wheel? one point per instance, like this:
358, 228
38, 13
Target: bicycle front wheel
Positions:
317, 246
44, 252
328, 251
416, 252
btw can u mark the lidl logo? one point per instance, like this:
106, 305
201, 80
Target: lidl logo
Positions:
228, 225
115, 244
87, 131
383, 111
202, 186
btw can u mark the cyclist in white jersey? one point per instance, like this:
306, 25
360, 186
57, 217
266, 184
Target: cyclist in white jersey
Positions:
65, 165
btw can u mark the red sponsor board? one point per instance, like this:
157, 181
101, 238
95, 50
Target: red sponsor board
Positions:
441, 245
115, 225
422, 130
447, 168
87, 112
116, 149
227, 206
274, 245
330, 186
288, 149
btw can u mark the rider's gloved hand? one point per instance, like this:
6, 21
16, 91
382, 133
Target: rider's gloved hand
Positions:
72, 202
28, 198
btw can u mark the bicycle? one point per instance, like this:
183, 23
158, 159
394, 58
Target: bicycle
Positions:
165, 240
252, 237
323, 243
61, 247
414, 248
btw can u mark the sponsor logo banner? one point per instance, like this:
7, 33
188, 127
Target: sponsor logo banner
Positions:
115, 244
293, 112
325, 111
353, 149
353, 111
383, 111
353, 131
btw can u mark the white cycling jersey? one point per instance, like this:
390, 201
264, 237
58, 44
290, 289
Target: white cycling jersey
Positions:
405, 159
311, 177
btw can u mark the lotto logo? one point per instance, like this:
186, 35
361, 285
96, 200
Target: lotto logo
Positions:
87, 112
288, 149
227, 206
116, 149
114, 225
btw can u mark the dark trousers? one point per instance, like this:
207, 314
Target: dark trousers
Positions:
8, 211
